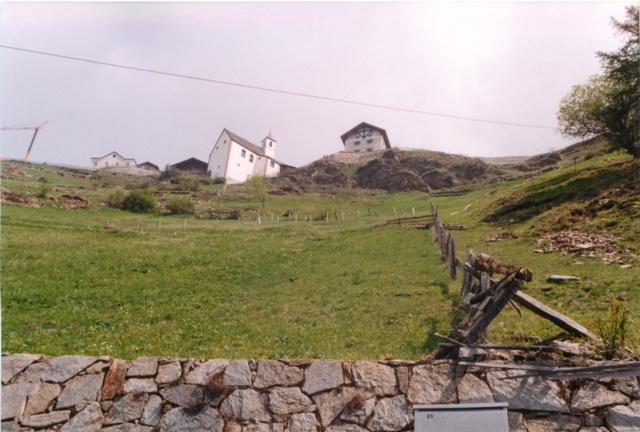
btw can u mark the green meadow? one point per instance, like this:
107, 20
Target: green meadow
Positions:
211, 287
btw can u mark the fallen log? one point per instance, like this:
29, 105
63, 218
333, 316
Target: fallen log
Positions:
555, 317
485, 263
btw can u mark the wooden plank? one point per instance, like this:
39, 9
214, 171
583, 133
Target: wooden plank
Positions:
485, 263
555, 317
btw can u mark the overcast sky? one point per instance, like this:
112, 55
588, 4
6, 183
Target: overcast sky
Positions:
506, 62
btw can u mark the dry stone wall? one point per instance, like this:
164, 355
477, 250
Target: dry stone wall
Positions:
90, 394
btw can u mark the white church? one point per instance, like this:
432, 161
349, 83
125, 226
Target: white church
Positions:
236, 160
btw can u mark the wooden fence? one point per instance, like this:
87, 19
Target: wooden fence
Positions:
483, 297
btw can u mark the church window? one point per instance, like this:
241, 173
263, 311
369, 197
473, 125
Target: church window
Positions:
356, 143
250, 158
243, 153
272, 164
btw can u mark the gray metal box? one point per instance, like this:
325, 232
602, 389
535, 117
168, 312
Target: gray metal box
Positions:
484, 417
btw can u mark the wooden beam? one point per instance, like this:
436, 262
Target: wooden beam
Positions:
555, 317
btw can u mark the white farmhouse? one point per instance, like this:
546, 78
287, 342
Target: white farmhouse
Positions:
365, 138
113, 160
235, 159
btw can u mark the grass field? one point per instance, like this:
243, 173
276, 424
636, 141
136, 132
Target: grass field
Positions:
200, 287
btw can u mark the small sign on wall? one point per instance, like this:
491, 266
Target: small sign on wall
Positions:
462, 417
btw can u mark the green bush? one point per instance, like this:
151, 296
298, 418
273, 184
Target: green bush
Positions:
181, 206
218, 180
44, 191
140, 201
115, 199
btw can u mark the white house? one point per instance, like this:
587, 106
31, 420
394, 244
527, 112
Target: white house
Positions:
365, 138
113, 160
235, 159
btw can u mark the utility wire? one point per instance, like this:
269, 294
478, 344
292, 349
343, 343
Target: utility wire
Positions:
292, 93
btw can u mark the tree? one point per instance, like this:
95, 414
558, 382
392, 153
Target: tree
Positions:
607, 105
257, 187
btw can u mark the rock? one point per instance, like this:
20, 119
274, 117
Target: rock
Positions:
145, 385
628, 386
624, 418
594, 429
302, 422
81, 390
88, 420
183, 395
593, 395
123, 427
152, 411
271, 373
14, 399
473, 390
360, 414
432, 384
127, 409
402, 375
561, 278
114, 380
58, 369
331, 404
288, 400
182, 420
541, 394
10, 427
16, 363
555, 423
45, 420
237, 374
246, 405
204, 372
169, 373
143, 367
323, 375
39, 401
374, 378
346, 428
516, 422
391, 414
264, 427
232, 426
97, 367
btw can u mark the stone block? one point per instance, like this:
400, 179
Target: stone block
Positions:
302, 422
204, 372
127, 409
13, 364
359, 414
432, 384
183, 395
323, 375
624, 418
45, 420
152, 411
555, 423
331, 404
593, 395
374, 378
472, 389
274, 373
288, 400
169, 373
237, 374
391, 414
57, 370
80, 391
143, 367
136, 385
14, 398
531, 393
88, 420
246, 405
182, 420
39, 401
114, 380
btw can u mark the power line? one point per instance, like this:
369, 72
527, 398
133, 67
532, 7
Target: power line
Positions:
287, 92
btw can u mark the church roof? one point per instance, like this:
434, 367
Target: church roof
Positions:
246, 144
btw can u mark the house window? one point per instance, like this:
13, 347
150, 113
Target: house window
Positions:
369, 149
356, 143
370, 140
244, 153
270, 144
250, 158
357, 151
272, 164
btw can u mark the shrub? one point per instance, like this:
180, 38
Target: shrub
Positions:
218, 180
115, 199
181, 206
140, 201
44, 191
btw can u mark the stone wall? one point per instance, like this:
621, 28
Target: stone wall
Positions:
86, 394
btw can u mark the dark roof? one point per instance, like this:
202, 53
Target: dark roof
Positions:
383, 132
246, 144
149, 164
190, 164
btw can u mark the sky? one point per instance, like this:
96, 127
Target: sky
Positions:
419, 70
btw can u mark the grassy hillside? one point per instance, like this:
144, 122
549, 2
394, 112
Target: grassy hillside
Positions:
207, 286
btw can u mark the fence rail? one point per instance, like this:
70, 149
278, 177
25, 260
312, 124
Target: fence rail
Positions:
483, 297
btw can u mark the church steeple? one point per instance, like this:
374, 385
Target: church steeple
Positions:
269, 145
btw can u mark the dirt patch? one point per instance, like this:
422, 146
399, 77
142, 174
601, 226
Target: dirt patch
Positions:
18, 198
581, 243
72, 202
